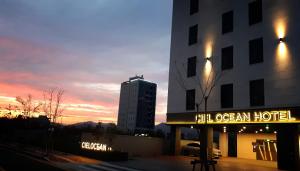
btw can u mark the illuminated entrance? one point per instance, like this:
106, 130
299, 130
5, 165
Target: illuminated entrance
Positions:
261, 134
265, 149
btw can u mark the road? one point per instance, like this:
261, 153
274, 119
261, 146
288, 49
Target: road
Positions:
13, 161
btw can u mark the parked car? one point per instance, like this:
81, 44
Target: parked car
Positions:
193, 149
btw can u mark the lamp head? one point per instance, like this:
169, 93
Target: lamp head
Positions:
282, 40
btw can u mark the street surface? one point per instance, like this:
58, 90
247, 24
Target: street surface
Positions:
12, 161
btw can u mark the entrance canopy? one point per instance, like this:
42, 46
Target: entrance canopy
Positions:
252, 116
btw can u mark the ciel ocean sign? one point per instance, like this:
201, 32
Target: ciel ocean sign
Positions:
287, 115
247, 117
95, 146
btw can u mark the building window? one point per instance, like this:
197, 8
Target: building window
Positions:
227, 58
255, 12
191, 67
227, 22
256, 51
193, 34
194, 6
257, 95
227, 96
190, 99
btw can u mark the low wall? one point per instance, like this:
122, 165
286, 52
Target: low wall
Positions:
133, 145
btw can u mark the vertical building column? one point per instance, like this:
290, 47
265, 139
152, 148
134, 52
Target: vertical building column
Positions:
223, 144
175, 140
288, 147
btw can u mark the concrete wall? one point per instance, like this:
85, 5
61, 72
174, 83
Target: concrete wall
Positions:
244, 144
134, 145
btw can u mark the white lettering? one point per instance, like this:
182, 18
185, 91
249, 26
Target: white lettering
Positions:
95, 146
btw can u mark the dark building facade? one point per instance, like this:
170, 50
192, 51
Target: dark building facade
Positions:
234, 67
137, 105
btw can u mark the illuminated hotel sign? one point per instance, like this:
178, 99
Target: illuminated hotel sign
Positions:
252, 116
95, 146
247, 117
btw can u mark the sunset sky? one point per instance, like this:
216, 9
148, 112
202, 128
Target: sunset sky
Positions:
86, 47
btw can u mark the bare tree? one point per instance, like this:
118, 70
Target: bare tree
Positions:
206, 86
28, 106
8, 114
52, 105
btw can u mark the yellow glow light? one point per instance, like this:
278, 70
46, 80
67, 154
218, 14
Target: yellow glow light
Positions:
283, 58
282, 50
282, 54
280, 27
208, 67
269, 148
208, 50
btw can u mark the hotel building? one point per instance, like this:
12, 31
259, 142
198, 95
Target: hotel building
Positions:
137, 105
243, 58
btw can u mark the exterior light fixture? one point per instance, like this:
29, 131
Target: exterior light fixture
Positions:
244, 127
256, 132
192, 127
224, 129
281, 40
267, 127
260, 130
275, 132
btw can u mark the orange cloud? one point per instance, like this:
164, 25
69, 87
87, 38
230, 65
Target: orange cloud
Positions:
29, 68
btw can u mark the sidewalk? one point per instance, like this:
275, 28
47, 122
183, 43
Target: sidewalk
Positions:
182, 163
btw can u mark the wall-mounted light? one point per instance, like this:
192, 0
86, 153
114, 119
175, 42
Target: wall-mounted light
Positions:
282, 55
282, 40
